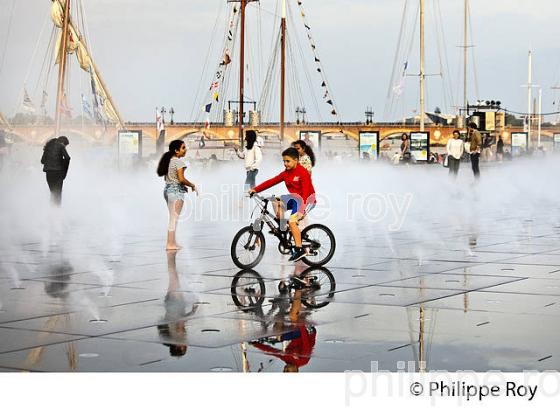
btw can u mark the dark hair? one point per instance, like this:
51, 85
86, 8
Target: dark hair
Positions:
307, 149
163, 166
472, 124
404, 134
291, 152
250, 137
49, 143
62, 139
456, 131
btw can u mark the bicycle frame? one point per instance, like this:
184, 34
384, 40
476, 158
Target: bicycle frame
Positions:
270, 220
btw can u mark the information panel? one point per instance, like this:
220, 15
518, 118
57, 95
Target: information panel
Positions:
518, 143
420, 145
130, 143
556, 142
311, 138
369, 145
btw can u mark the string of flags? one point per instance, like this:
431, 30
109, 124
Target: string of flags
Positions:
327, 95
28, 105
86, 107
213, 90
399, 87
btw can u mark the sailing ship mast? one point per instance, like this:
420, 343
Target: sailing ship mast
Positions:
72, 41
62, 67
283, 69
242, 70
422, 72
465, 46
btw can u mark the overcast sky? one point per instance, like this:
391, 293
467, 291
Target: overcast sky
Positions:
152, 53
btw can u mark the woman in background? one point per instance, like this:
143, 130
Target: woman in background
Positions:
252, 155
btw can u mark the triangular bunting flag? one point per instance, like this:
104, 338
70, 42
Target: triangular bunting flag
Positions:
330, 102
307, 27
318, 70
208, 107
333, 112
317, 60
27, 103
216, 97
323, 84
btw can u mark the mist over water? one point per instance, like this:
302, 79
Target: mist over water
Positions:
108, 214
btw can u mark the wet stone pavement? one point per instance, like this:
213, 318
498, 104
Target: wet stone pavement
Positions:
478, 299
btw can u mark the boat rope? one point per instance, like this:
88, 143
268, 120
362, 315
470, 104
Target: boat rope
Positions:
205, 65
266, 94
396, 63
325, 84
473, 56
30, 66
307, 74
5, 48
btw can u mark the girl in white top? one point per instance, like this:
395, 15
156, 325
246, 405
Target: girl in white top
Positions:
455, 148
306, 154
172, 167
253, 157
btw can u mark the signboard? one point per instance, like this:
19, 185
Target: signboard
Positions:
490, 121
518, 143
420, 145
311, 138
556, 142
369, 145
129, 145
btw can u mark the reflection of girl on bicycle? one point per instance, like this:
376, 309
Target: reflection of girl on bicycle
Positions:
298, 182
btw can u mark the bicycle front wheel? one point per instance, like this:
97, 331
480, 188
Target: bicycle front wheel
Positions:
319, 242
320, 288
247, 248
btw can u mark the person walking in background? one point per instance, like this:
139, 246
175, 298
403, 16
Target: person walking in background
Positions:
455, 148
405, 148
306, 155
252, 155
500, 149
172, 167
475, 141
55, 162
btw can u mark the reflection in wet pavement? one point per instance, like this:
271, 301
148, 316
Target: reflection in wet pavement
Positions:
159, 315
453, 296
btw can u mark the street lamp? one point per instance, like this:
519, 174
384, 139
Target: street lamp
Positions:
163, 111
171, 112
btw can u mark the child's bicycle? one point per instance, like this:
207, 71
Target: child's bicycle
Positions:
248, 245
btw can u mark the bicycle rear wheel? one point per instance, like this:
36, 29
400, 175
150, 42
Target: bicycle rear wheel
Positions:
320, 288
320, 244
248, 289
247, 248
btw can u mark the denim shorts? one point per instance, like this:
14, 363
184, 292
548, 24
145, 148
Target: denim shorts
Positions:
174, 192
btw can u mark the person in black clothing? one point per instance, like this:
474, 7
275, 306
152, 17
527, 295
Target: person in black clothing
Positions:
55, 162
500, 149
